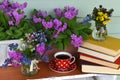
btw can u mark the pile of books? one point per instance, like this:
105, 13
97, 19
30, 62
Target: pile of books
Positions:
100, 56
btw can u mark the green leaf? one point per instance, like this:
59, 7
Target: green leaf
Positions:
2, 36
87, 31
62, 36
84, 35
82, 26
35, 11
48, 18
59, 45
17, 34
63, 19
1, 28
9, 32
66, 43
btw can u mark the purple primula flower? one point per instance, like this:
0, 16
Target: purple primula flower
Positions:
5, 3
76, 41
15, 5
70, 13
17, 17
44, 13
71, 8
56, 35
15, 58
64, 27
57, 24
58, 12
40, 49
48, 24
11, 23
39, 13
36, 20
15, 55
22, 6
2, 6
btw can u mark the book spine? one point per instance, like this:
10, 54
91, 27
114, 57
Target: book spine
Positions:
99, 48
99, 69
96, 54
98, 61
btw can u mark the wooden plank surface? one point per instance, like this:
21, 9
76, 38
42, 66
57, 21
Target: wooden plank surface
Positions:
14, 73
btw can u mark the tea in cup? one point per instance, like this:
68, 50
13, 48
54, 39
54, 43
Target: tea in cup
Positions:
63, 60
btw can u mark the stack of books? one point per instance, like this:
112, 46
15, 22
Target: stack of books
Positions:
100, 56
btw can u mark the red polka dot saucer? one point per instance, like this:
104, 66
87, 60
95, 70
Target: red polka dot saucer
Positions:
53, 67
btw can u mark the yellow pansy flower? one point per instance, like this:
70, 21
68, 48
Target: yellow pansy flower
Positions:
104, 22
100, 13
97, 18
105, 15
101, 18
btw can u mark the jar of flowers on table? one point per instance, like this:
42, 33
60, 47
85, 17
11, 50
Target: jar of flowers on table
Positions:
32, 50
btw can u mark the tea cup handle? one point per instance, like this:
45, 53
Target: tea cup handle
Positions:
72, 60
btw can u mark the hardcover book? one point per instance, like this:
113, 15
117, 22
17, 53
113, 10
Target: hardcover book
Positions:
98, 54
99, 69
91, 59
110, 46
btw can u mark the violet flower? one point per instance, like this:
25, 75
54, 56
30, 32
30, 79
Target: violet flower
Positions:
58, 12
36, 20
48, 24
70, 13
11, 23
17, 17
40, 49
15, 55
44, 13
76, 41
57, 24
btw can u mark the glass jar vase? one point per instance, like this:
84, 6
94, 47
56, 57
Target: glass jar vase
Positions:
99, 32
25, 69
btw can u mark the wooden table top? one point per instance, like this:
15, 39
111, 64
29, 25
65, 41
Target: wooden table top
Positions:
14, 73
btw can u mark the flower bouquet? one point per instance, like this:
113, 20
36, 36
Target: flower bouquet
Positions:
63, 29
101, 16
29, 53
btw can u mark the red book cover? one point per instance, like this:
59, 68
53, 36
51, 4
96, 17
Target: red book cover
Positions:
99, 61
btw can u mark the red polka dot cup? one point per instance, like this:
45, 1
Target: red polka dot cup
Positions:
63, 60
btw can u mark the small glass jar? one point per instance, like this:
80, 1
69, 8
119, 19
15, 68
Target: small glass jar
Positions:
99, 32
25, 69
